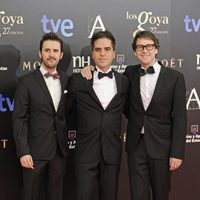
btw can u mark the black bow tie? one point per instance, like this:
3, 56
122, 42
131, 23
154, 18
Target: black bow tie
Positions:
150, 70
109, 74
54, 76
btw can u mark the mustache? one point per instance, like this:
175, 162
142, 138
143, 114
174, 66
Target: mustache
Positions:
49, 58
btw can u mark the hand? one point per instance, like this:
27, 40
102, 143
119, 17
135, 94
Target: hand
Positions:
27, 161
86, 72
174, 163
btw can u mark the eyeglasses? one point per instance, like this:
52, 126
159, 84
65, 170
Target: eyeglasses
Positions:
149, 47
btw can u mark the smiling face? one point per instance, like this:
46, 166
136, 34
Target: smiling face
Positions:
103, 53
145, 57
50, 54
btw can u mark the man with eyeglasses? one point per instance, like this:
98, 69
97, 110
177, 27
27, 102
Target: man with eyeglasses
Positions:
156, 113
156, 121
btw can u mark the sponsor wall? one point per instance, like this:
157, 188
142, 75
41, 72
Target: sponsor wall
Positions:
22, 24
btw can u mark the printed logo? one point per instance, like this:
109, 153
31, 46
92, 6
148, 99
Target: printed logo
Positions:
191, 24
119, 66
57, 25
11, 24
198, 61
193, 102
28, 65
3, 68
71, 139
120, 59
6, 104
79, 62
194, 129
146, 19
173, 62
94, 25
3, 143
194, 136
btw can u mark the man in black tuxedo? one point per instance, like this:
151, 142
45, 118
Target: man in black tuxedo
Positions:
39, 123
99, 103
156, 112
156, 121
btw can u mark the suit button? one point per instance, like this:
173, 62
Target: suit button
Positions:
55, 132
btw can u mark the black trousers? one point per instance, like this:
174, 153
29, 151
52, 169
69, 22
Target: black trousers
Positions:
97, 180
148, 176
45, 181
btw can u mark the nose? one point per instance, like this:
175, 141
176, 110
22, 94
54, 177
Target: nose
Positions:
51, 53
103, 52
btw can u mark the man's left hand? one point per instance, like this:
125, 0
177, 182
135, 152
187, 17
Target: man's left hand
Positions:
174, 163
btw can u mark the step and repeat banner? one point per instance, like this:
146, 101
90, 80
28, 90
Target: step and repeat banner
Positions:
23, 22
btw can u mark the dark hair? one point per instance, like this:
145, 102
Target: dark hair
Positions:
145, 35
51, 36
103, 34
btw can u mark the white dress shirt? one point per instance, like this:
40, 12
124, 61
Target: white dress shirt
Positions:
105, 88
147, 86
54, 87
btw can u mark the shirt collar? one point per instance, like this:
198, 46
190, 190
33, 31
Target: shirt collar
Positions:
156, 67
99, 70
44, 71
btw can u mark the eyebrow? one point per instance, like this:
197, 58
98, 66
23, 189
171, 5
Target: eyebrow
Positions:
50, 49
99, 48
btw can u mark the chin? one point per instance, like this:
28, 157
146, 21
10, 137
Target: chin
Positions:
51, 67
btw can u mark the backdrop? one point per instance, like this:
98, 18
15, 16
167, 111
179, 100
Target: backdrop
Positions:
23, 22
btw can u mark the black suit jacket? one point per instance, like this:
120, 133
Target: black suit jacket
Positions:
37, 127
164, 120
98, 130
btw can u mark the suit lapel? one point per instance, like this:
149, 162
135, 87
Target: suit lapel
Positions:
92, 92
118, 79
42, 83
62, 84
159, 86
136, 79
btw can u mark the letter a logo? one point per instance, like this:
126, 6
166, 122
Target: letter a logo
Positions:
98, 25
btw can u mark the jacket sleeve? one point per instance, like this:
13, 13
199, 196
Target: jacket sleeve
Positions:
179, 127
20, 118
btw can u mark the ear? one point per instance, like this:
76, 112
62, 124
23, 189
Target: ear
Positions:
40, 55
61, 55
156, 51
114, 54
